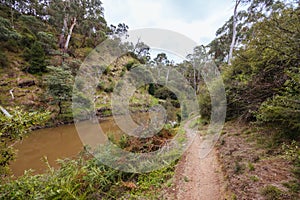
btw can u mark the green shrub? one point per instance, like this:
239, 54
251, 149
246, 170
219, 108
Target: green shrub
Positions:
47, 40
3, 60
6, 31
164, 93
14, 128
32, 22
130, 64
12, 45
86, 179
110, 88
204, 104
101, 86
271, 192
36, 58
283, 110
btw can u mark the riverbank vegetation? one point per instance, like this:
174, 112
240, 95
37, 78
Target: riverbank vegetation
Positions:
257, 51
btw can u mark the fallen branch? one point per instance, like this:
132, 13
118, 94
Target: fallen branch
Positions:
6, 113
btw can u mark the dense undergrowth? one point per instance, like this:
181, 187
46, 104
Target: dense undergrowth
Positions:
87, 179
262, 85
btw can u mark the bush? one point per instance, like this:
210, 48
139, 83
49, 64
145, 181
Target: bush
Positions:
283, 110
12, 45
47, 40
36, 58
6, 32
86, 179
3, 59
32, 22
271, 192
259, 71
151, 89
164, 93
101, 86
131, 64
204, 104
14, 128
110, 88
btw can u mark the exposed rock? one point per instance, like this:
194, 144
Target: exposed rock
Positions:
26, 83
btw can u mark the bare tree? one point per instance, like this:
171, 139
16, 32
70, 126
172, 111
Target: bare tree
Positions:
234, 31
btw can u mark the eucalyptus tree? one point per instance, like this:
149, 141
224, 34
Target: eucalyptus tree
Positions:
239, 28
86, 15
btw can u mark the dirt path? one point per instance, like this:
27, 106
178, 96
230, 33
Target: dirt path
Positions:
195, 178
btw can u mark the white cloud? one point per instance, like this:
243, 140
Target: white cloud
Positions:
200, 23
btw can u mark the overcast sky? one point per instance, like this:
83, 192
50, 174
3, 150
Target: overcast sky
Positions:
197, 19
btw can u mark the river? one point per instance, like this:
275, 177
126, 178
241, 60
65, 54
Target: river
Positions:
57, 143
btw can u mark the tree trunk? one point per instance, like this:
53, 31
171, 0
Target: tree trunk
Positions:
167, 76
59, 107
12, 16
237, 2
70, 34
195, 82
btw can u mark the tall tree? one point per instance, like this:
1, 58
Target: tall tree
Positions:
197, 58
87, 15
59, 86
162, 60
239, 27
234, 24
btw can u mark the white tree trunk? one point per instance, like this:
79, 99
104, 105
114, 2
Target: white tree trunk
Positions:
195, 82
167, 76
237, 2
70, 34
5, 112
12, 94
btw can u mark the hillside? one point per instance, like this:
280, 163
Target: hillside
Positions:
253, 62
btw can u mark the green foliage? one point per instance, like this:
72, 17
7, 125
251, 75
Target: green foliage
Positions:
3, 59
110, 88
291, 151
59, 85
251, 166
197, 122
32, 22
184, 112
151, 89
7, 154
271, 192
12, 45
86, 179
131, 64
16, 127
164, 93
20, 123
204, 103
101, 86
261, 70
47, 40
283, 110
28, 37
107, 70
36, 58
292, 154
6, 32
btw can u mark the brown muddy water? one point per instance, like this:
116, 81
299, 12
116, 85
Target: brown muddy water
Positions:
58, 143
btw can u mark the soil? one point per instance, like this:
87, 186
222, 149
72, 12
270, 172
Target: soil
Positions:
239, 167
197, 178
250, 166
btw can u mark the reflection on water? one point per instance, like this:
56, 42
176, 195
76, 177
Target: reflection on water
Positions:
58, 143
